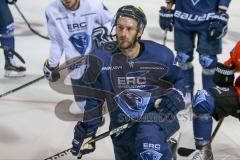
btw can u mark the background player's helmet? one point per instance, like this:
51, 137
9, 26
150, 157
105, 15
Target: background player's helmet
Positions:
132, 12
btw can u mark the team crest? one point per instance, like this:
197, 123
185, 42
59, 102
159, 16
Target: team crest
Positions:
194, 2
150, 155
80, 41
133, 102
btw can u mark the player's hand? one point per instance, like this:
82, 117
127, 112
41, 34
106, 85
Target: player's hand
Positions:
11, 1
166, 18
50, 73
218, 25
78, 147
173, 101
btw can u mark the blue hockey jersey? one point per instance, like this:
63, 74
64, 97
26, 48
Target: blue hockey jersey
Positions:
195, 14
131, 86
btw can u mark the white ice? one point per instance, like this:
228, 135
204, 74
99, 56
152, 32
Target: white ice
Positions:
29, 128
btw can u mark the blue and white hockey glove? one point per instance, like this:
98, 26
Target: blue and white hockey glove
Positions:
218, 25
166, 18
11, 1
79, 135
50, 73
173, 101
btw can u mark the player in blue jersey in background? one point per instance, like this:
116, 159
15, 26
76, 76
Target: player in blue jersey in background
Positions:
141, 83
216, 102
205, 20
7, 39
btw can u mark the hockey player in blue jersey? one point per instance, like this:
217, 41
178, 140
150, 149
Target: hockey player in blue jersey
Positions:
204, 19
217, 102
7, 39
141, 84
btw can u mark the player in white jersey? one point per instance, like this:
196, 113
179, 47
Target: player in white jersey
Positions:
70, 26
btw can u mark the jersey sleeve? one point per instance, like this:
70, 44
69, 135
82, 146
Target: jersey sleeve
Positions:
56, 48
174, 74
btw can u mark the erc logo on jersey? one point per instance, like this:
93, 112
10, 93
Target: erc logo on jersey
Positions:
80, 41
76, 26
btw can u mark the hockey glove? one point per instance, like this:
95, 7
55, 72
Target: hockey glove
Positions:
166, 18
11, 1
172, 102
50, 73
79, 135
223, 75
218, 25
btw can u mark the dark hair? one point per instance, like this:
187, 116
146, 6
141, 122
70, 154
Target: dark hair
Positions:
132, 12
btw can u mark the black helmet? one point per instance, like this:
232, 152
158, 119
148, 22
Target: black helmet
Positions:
132, 12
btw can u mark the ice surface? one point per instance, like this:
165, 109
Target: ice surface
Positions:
29, 128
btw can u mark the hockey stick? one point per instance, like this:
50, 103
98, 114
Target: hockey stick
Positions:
165, 37
29, 26
75, 62
6, 48
182, 151
20, 87
95, 139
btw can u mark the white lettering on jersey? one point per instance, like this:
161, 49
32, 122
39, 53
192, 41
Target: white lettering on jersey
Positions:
192, 17
151, 146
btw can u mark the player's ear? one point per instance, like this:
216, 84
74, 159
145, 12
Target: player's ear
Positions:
140, 32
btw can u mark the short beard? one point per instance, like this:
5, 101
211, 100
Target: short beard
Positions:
129, 46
